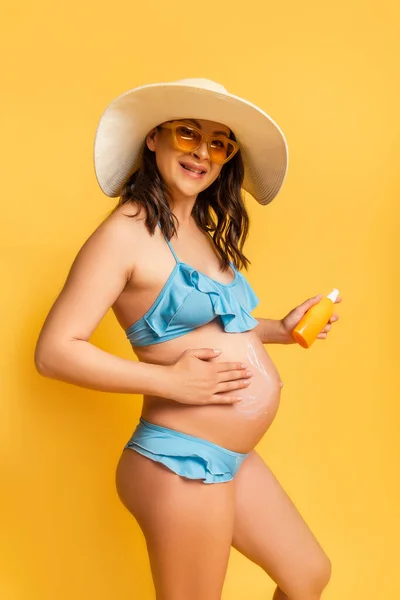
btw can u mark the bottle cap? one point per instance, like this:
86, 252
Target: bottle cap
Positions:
333, 295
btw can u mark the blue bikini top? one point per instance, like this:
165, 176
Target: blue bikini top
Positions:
190, 299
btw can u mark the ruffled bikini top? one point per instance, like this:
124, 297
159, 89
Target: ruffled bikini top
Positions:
190, 299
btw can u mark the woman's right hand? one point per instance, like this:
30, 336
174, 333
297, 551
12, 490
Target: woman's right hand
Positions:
194, 380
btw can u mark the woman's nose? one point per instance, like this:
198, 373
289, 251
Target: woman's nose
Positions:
201, 151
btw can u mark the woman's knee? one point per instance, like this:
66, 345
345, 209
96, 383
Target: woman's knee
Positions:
320, 575
314, 581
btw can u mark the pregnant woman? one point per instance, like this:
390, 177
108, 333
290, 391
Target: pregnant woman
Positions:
167, 260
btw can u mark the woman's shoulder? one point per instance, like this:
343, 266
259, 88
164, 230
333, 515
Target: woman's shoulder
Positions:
119, 236
132, 210
125, 223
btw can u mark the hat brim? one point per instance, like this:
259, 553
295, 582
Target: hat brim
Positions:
127, 120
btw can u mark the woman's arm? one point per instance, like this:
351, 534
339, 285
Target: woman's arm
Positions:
279, 331
97, 277
270, 331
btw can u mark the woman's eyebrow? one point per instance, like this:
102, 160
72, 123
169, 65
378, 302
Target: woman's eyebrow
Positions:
199, 126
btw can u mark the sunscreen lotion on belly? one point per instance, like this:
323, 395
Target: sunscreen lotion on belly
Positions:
315, 319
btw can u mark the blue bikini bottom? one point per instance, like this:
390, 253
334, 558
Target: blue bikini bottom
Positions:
185, 455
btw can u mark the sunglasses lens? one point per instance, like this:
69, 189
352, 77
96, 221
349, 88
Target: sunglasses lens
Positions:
187, 138
221, 149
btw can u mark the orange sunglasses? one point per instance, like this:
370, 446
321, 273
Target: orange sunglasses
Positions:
188, 138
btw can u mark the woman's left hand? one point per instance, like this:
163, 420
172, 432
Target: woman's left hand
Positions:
289, 322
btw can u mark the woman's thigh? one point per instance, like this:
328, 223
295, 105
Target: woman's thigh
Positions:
269, 530
187, 525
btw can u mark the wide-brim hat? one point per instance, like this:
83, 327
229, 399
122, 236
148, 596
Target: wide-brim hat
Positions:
126, 121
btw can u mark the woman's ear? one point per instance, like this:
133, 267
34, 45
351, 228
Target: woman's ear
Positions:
151, 139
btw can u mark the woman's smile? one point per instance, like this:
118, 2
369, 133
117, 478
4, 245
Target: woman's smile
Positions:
193, 170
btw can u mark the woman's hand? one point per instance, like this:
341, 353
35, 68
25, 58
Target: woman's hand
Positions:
192, 379
289, 322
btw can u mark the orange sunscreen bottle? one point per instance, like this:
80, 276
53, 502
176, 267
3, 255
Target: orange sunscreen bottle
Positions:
315, 319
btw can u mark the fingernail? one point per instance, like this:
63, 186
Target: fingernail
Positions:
216, 350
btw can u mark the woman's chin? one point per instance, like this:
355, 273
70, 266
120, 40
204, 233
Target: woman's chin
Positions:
191, 188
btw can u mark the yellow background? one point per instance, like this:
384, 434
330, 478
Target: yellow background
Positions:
328, 74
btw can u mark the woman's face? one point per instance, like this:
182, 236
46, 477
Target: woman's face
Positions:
186, 173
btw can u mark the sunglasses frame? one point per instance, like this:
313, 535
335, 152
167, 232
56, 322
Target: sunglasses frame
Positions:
173, 126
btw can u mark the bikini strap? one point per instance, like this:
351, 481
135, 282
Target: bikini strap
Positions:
169, 243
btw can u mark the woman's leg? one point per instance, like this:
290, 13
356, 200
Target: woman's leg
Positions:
269, 530
187, 525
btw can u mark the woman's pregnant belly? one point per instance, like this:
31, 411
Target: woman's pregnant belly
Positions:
238, 427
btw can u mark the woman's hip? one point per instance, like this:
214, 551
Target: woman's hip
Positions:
186, 455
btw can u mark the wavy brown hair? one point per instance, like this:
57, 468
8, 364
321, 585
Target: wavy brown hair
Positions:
219, 210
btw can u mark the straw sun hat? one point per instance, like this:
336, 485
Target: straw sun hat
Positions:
128, 119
